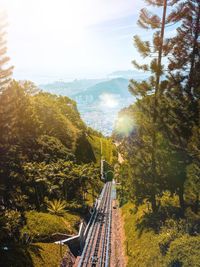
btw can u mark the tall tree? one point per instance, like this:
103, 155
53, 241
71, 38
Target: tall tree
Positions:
179, 112
184, 61
5, 71
154, 86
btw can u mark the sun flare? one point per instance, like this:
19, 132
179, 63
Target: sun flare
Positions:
109, 101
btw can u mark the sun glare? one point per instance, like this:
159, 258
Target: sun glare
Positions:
66, 39
109, 101
124, 125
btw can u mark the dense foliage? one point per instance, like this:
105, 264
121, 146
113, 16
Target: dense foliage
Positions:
49, 166
5, 70
161, 149
163, 146
39, 142
171, 246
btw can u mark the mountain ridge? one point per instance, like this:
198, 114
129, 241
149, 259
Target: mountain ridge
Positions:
117, 86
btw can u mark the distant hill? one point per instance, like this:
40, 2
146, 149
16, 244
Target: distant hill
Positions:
128, 74
98, 101
114, 83
118, 86
69, 88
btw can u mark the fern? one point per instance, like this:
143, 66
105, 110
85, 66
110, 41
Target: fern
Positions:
56, 206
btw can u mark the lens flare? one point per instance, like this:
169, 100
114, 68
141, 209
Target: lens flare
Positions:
109, 101
124, 125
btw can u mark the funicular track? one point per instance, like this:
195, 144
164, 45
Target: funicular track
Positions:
97, 246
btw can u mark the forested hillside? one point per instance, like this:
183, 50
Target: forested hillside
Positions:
49, 167
50, 158
160, 177
114, 86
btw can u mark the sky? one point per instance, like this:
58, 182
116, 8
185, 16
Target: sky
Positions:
68, 39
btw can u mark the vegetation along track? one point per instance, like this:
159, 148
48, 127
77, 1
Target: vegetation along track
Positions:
97, 246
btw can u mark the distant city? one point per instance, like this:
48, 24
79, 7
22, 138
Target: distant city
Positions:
98, 100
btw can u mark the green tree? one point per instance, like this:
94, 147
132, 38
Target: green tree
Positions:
5, 71
179, 105
49, 148
150, 91
170, 103
49, 108
192, 183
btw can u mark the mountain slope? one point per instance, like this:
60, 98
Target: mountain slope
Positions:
69, 88
98, 101
128, 74
116, 86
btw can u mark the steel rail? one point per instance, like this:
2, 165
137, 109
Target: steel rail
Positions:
100, 222
108, 243
91, 233
101, 234
103, 248
96, 228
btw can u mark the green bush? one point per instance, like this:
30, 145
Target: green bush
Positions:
168, 246
56, 206
184, 252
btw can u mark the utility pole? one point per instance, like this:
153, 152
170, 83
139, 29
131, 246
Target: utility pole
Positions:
101, 164
101, 148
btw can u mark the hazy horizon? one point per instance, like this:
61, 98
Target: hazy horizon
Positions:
53, 40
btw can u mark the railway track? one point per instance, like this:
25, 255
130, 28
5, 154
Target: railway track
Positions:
97, 247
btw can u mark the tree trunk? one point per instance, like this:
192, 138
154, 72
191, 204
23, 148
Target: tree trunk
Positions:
153, 204
156, 95
196, 208
37, 200
194, 53
160, 52
181, 199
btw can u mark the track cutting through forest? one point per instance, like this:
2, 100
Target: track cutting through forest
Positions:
97, 247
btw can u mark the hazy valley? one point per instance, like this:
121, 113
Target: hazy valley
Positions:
98, 100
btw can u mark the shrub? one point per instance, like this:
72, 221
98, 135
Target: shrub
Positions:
184, 251
56, 207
